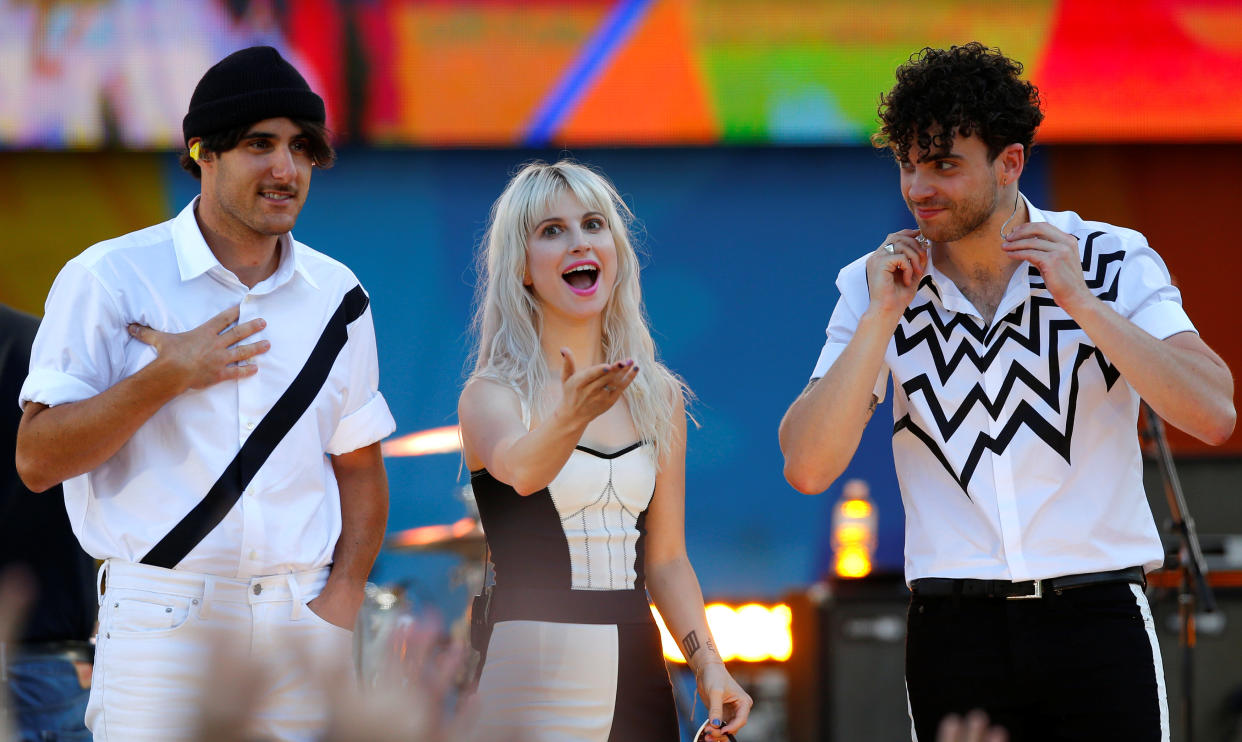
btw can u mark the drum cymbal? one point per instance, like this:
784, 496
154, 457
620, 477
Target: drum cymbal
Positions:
465, 537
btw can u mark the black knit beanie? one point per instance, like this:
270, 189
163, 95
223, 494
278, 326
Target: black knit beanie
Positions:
249, 86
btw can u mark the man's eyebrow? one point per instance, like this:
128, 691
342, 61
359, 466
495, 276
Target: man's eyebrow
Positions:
259, 135
937, 156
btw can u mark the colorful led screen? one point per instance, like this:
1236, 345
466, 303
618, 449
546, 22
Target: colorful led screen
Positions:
97, 73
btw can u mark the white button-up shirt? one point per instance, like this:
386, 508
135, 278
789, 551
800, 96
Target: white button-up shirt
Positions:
1015, 443
165, 277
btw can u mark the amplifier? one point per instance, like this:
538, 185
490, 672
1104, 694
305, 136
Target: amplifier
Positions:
848, 681
1216, 661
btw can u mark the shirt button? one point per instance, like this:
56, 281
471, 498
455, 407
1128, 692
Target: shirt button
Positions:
248, 297
250, 425
258, 588
254, 555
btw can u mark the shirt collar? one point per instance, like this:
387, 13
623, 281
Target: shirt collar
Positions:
1033, 214
194, 257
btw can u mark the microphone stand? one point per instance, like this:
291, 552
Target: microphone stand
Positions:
1193, 584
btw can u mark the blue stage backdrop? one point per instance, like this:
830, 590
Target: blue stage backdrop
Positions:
742, 252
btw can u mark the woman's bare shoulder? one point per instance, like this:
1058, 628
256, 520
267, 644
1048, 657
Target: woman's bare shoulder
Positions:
485, 393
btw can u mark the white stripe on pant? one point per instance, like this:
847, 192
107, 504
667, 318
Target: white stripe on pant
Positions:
157, 628
1157, 660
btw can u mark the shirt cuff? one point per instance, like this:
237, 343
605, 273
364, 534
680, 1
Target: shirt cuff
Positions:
362, 427
51, 388
1163, 319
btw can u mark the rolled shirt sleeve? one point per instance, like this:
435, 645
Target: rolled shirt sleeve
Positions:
852, 283
79, 349
366, 417
1147, 297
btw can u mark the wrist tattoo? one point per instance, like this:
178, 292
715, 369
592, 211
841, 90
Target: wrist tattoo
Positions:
711, 647
690, 644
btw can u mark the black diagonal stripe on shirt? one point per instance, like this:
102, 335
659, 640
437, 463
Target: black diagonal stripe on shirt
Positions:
220, 499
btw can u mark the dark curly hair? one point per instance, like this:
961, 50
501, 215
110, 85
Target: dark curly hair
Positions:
317, 138
968, 89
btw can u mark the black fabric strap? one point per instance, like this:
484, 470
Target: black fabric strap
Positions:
570, 606
220, 499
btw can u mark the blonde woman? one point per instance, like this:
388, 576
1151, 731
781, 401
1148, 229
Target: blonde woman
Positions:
575, 437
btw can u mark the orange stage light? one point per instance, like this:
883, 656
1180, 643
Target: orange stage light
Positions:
747, 633
424, 442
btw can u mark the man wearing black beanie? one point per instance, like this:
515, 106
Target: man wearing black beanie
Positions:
207, 391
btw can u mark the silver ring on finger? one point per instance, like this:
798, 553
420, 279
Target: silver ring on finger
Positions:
608, 389
890, 248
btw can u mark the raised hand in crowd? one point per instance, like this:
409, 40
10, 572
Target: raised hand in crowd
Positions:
409, 698
974, 728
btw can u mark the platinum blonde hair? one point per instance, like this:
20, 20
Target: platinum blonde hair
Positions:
508, 318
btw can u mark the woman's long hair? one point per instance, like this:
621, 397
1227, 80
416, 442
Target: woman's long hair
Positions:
508, 318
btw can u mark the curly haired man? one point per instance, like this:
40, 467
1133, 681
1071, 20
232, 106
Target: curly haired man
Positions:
1020, 342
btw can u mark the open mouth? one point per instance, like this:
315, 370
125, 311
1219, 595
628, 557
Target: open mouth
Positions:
277, 196
582, 277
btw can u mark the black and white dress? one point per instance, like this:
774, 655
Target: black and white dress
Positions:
574, 654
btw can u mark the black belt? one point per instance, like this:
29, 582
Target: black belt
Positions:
967, 588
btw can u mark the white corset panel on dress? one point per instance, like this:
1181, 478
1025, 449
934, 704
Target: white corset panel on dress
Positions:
599, 500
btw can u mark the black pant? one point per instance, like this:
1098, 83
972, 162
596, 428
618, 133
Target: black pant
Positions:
1080, 665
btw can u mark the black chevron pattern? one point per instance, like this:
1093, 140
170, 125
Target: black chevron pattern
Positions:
1040, 340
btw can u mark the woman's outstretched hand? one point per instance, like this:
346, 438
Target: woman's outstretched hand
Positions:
589, 393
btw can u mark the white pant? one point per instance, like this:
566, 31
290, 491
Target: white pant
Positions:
157, 628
